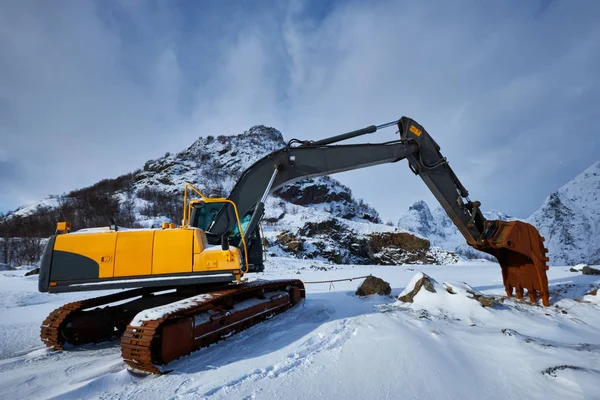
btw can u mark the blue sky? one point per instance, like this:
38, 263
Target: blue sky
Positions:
510, 89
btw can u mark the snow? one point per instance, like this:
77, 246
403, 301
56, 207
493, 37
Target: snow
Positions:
49, 202
155, 313
592, 298
337, 345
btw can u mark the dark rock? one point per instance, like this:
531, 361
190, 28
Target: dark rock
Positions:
312, 194
392, 248
590, 271
484, 301
34, 271
373, 285
330, 227
403, 240
552, 370
425, 282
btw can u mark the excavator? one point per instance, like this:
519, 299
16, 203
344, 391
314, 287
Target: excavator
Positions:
186, 284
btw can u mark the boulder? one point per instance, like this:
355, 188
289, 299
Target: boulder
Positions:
34, 271
590, 271
373, 285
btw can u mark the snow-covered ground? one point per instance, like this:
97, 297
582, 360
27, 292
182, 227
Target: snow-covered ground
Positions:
337, 345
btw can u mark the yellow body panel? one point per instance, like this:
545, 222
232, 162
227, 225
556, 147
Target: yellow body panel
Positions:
133, 255
150, 252
173, 251
100, 247
215, 258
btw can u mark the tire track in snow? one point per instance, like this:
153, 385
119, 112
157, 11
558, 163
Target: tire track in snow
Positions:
544, 343
314, 345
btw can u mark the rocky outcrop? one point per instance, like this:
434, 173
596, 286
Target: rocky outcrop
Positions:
336, 241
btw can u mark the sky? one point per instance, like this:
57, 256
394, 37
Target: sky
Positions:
509, 89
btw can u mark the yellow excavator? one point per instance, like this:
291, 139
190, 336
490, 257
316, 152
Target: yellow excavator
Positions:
189, 291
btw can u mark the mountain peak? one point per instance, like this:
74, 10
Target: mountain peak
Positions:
569, 219
418, 219
265, 133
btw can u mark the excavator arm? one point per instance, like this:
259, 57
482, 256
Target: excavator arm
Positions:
517, 245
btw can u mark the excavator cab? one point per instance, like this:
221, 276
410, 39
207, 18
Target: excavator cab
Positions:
202, 217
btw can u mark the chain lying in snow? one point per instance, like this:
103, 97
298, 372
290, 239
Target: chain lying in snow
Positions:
337, 280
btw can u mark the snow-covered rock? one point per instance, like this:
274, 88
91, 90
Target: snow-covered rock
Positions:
425, 293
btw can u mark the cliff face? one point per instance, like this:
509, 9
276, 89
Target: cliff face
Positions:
569, 219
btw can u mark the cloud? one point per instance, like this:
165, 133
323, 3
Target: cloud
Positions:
509, 90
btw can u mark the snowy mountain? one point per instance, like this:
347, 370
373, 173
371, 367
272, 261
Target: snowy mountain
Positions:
569, 219
436, 226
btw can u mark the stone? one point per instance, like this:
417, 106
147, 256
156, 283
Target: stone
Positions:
290, 242
34, 271
484, 301
294, 246
425, 282
590, 271
373, 285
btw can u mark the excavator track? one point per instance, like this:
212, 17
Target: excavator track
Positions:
86, 321
158, 336
54, 328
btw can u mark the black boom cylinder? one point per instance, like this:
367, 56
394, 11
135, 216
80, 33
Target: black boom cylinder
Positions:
345, 136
